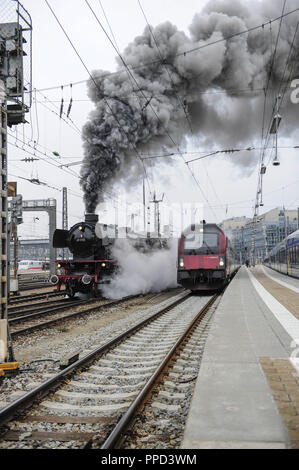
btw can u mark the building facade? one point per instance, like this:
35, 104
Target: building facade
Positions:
31, 249
253, 240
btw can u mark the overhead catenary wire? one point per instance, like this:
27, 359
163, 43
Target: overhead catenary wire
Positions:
110, 196
258, 201
206, 154
182, 104
37, 182
46, 149
163, 62
203, 157
149, 104
215, 91
133, 77
68, 121
283, 80
166, 67
41, 155
35, 143
108, 23
96, 85
209, 153
115, 46
277, 106
188, 51
130, 75
274, 109
260, 174
262, 25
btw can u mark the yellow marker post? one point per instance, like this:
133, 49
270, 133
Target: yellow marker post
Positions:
9, 366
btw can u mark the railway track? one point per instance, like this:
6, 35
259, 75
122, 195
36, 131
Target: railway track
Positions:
34, 286
27, 298
92, 402
43, 318
15, 311
54, 293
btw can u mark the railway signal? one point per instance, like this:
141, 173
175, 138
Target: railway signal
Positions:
17, 209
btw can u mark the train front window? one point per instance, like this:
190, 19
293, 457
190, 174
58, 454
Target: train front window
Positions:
201, 243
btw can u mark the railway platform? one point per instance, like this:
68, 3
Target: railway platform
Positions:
247, 392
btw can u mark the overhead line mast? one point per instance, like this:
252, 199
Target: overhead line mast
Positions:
15, 78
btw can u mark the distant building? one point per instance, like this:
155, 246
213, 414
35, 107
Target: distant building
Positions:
234, 223
38, 249
254, 240
233, 228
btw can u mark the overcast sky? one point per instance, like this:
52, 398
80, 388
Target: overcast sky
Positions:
229, 188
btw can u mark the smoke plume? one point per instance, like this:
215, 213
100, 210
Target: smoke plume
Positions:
212, 95
140, 273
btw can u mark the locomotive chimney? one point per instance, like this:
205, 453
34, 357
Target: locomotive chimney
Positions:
91, 219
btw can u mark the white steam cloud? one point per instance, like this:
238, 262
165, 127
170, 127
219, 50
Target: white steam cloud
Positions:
140, 273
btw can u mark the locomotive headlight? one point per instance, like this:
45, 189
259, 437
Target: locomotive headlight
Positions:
221, 261
103, 265
80, 228
86, 279
58, 266
181, 263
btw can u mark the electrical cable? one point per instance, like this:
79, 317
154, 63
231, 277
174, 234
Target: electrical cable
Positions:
150, 105
147, 64
95, 83
266, 91
276, 109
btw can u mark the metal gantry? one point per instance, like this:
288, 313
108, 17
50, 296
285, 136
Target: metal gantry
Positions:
157, 214
49, 206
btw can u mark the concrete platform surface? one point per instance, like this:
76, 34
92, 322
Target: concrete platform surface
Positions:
287, 281
233, 405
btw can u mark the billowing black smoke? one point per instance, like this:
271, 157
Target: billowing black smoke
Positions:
130, 119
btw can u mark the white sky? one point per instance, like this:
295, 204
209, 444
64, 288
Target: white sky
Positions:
55, 64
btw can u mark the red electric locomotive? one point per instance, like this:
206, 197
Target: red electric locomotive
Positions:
206, 260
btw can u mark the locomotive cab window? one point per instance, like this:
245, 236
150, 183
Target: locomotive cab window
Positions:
201, 243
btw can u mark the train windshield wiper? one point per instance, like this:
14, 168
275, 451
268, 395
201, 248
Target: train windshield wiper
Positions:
209, 248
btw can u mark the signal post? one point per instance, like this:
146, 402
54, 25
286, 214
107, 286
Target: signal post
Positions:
15, 78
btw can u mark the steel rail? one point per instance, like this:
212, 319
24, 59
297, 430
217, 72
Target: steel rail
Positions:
20, 309
26, 314
41, 295
48, 323
34, 286
27, 400
119, 430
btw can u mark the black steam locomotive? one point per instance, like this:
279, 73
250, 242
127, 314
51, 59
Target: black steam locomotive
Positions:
92, 264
